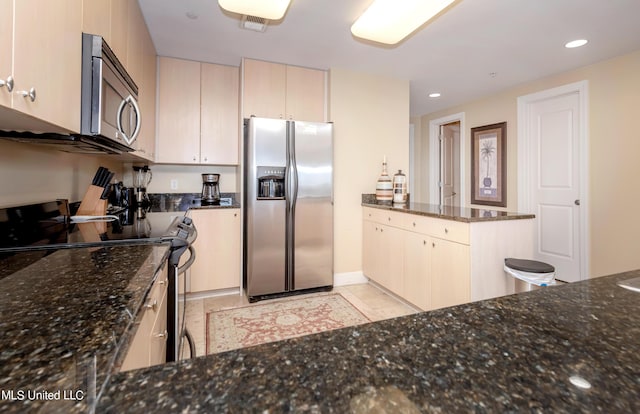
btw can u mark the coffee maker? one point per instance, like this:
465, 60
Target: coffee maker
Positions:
210, 189
141, 179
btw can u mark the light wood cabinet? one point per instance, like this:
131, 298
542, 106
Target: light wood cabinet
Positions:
146, 141
417, 270
44, 88
428, 271
149, 344
136, 31
96, 18
6, 50
219, 119
179, 111
198, 113
273, 90
118, 38
217, 264
444, 262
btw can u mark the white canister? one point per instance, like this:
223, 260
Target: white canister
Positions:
399, 188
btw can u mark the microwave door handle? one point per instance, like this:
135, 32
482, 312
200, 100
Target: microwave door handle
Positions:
128, 100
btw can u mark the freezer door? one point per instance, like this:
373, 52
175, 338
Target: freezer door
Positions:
312, 210
265, 220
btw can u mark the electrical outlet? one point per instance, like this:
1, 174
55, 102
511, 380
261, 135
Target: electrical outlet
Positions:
174, 184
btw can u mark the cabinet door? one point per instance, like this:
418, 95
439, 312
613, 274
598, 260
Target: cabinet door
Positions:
46, 36
219, 119
391, 259
264, 89
370, 241
417, 273
136, 29
96, 18
146, 141
178, 111
119, 29
6, 48
158, 338
305, 98
450, 273
217, 264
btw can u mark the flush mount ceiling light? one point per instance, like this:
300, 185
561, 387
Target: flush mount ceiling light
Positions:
267, 9
390, 21
434, 95
576, 43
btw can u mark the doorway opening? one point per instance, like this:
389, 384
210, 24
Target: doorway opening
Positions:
446, 156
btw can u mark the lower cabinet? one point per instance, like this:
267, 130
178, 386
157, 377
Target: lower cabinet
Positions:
217, 264
429, 272
149, 345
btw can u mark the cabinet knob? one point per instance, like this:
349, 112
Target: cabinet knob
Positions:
381, 230
8, 83
414, 224
389, 218
206, 159
235, 214
31, 94
152, 306
424, 242
194, 158
446, 230
433, 244
162, 334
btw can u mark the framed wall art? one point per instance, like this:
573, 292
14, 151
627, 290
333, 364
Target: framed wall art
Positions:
489, 165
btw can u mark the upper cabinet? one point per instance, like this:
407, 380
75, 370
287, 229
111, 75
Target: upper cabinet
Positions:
96, 18
118, 39
146, 142
273, 90
44, 87
6, 49
198, 113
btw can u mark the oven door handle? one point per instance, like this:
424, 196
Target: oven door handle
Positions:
192, 258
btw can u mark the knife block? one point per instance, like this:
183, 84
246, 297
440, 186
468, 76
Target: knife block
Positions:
92, 204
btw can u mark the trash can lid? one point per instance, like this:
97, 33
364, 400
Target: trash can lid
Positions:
530, 266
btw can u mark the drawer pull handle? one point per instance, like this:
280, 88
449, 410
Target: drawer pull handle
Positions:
152, 306
8, 83
31, 94
162, 334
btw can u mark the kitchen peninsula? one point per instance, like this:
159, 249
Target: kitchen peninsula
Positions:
571, 348
517, 352
436, 256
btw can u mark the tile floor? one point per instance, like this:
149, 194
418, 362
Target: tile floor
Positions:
374, 303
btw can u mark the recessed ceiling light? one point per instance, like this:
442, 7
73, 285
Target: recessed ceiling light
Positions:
434, 95
191, 15
576, 43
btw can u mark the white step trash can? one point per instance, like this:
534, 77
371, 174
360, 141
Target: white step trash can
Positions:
530, 274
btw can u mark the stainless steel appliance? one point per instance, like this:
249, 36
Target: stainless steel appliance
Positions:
110, 117
210, 189
288, 219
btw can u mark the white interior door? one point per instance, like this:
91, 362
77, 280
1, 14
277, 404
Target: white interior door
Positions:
450, 163
553, 127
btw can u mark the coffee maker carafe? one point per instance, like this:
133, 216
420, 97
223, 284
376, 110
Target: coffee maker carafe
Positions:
210, 189
141, 179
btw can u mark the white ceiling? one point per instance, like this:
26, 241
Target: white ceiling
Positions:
518, 40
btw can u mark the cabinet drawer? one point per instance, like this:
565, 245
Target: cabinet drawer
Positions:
390, 218
444, 229
158, 340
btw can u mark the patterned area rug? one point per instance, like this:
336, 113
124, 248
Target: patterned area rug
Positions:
273, 321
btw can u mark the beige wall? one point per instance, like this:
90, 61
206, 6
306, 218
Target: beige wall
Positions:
614, 148
32, 173
189, 178
371, 120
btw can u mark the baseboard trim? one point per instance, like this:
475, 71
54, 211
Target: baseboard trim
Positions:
212, 293
349, 278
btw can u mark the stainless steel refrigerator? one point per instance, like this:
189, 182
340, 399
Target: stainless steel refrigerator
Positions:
288, 199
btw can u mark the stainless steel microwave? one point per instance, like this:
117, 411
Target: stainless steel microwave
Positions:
110, 110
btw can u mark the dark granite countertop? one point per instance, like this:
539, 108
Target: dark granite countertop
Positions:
64, 316
517, 353
467, 215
